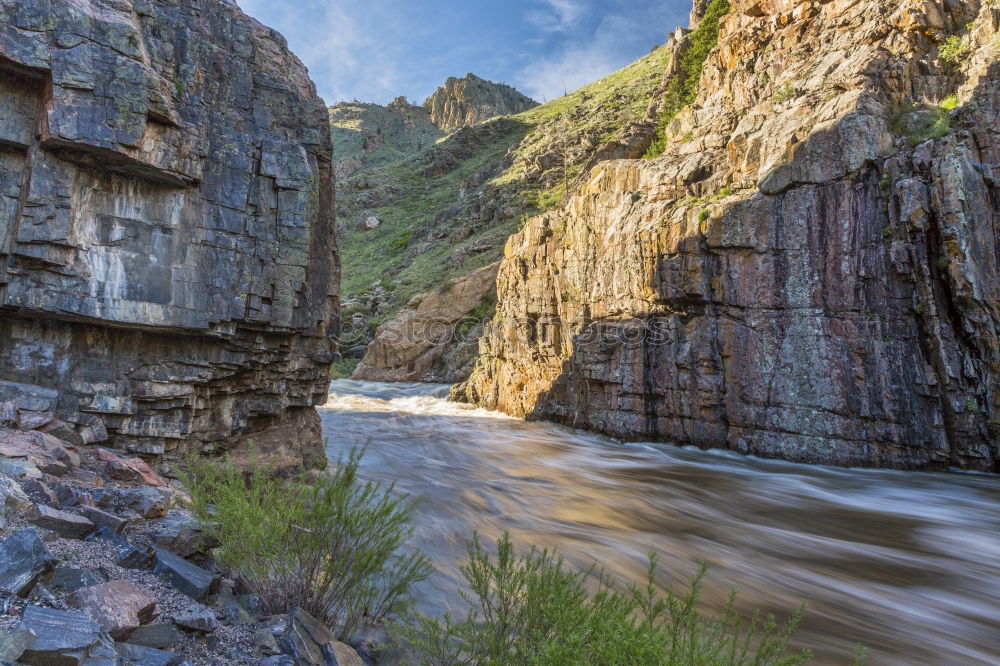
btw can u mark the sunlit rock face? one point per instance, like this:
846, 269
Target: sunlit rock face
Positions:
810, 271
168, 264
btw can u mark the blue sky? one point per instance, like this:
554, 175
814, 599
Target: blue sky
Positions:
375, 50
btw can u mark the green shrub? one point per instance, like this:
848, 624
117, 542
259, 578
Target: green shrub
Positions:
343, 368
703, 215
949, 103
531, 609
330, 546
954, 50
784, 94
919, 124
682, 88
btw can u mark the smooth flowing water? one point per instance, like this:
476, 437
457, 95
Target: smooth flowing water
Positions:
906, 563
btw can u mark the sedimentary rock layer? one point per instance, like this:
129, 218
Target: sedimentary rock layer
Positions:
168, 267
808, 272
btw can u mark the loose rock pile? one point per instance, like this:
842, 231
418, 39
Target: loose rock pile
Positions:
100, 566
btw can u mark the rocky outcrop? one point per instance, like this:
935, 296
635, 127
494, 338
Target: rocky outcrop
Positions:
810, 270
435, 339
471, 100
168, 266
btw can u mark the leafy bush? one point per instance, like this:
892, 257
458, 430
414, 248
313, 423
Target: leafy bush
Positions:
330, 545
681, 89
919, 124
784, 94
954, 50
531, 609
344, 368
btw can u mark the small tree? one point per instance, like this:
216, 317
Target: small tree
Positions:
332, 546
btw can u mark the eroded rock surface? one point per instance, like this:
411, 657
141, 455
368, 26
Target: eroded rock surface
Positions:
167, 249
810, 270
435, 339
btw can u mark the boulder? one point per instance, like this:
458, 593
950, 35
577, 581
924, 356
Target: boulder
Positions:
104, 519
8, 414
70, 579
28, 420
197, 620
65, 637
12, 496
23, 558
119, 606
63, 523
178, 532
134, 470
277, 660
184, 576
139, 655
160, 636
12, 644
311, 643
41, 491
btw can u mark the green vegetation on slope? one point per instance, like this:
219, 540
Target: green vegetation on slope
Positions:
440, 223
681, 90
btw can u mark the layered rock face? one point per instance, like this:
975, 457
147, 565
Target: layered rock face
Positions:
435, 339
471, 100
168, 263
808, 272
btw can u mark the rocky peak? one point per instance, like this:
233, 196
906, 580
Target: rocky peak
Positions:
472, 100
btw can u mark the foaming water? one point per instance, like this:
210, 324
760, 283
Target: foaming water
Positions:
906, 563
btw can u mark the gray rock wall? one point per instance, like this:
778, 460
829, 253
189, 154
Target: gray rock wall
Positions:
168, 261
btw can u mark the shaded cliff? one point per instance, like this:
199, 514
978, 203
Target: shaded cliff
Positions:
809, 271
168, 261
471, 100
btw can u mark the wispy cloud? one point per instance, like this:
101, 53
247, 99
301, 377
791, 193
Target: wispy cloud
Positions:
555, 15
347, 55
587, 55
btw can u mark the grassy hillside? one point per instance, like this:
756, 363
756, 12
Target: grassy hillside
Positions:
449, 209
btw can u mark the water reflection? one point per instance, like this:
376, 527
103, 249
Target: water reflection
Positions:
908, 564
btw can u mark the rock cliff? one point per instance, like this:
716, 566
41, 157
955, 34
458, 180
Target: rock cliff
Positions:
809, 271
471, 100
435, 339
168, 261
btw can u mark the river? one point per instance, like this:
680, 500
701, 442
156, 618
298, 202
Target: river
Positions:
906, 563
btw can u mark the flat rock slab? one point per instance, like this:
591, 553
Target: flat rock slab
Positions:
23, 558
70, 579
182, 575
64, 524
133, 469
312, 643
203, 621
65, 637
119, 606
104, 519
160, 636
140, 655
